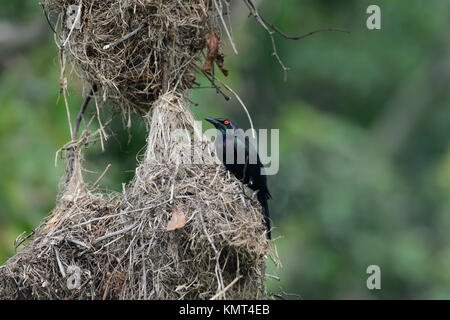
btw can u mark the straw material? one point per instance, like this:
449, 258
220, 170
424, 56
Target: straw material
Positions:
178, 231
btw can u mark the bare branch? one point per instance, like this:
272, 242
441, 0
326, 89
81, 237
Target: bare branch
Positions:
219, 11
101, 176
127, 36
82, 110
267, 25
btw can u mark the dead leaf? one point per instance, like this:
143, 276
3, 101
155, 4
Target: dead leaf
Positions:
214, 53
177, 221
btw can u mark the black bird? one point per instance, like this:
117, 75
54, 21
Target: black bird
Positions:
245, 164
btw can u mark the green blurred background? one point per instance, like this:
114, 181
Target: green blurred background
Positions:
364, 139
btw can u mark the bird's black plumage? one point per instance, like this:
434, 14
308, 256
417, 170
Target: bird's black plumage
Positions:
245, 163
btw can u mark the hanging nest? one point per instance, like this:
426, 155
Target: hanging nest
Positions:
184, 227
180, 230
123, 46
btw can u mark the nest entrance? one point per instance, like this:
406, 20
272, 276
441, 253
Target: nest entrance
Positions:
97, 246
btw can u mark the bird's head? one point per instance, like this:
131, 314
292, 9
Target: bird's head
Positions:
222, 124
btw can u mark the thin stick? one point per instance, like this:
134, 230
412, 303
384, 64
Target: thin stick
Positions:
226, 28
66, 103
226, 288
241, 102
263, 273
112, 234
286, 36
46, 16
101, 176
21, 239
78, 242
211, 80
61, 267
127, 36
165, 73
74, 133
77, 18
63, 87
305, 35
81, 113
266, 24
271, 276
101, 129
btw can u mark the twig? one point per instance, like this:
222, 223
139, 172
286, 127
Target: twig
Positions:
192, 101
144, 277
101, 176
21, 239
165, 74
111, 216
78, 242
225, 27
271, 276
266, 25
211, 79
255, 13
112, 234
207, 236
127, 36
82, 110
305, 35
240, 101
61, 267
226, 288
263, 278
77, 18
42, 4
102, 132
66, 103
74, 133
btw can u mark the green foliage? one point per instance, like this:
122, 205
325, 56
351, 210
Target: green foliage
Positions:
342, 200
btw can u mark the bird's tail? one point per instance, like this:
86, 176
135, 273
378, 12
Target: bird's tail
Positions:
262, 198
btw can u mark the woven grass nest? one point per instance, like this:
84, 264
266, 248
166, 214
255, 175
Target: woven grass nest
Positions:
122, 46
120, 246
184, 227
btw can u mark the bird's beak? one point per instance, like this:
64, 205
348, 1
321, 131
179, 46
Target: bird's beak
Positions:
212, 120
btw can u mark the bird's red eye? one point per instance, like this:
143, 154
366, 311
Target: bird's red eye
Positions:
226, 122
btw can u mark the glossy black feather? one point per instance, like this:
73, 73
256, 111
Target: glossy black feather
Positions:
247, 171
